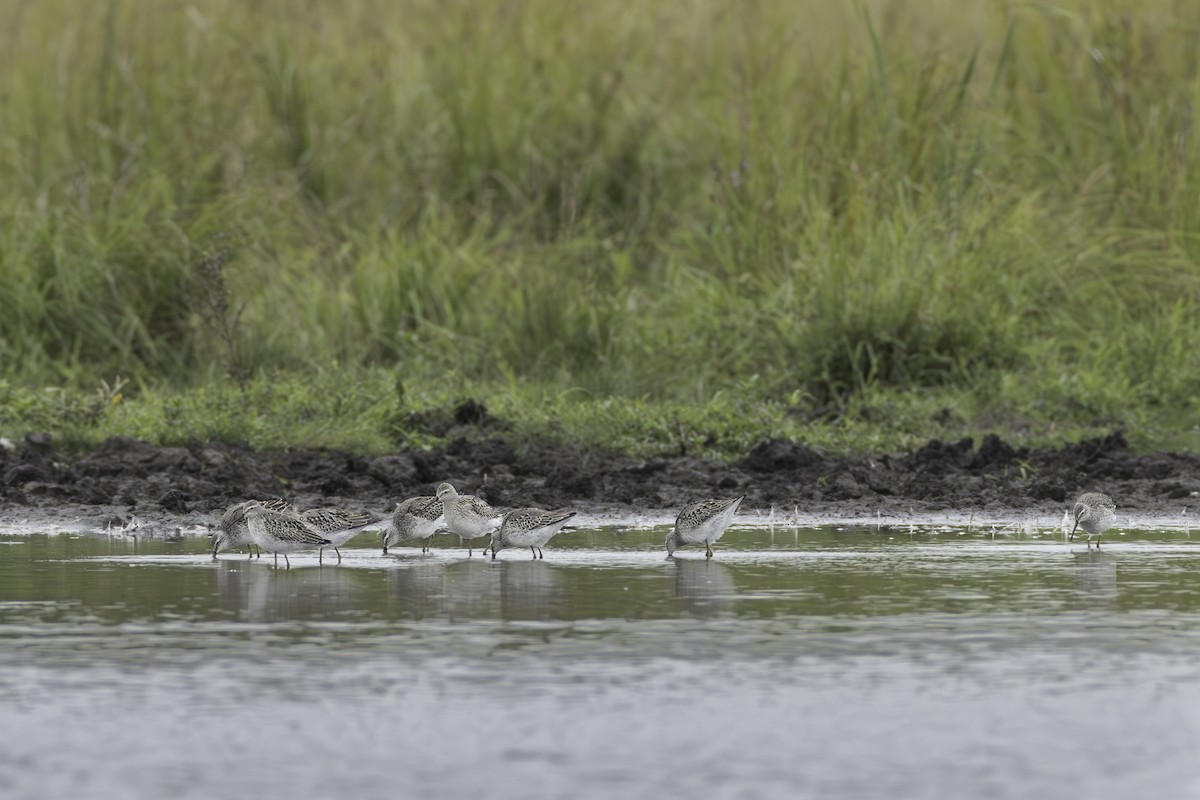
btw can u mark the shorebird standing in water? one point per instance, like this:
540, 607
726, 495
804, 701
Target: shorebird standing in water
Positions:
529, 527
414, 518
1095, 513
280, 532
702, 523
467, 515
337, 525
232, 530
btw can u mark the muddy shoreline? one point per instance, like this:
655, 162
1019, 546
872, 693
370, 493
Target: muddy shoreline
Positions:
125, 477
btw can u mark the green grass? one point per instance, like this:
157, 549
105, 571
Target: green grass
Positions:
683, 228
374, 411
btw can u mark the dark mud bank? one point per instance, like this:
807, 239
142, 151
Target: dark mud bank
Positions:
145, 480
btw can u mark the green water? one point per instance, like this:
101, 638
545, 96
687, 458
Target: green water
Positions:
819, 662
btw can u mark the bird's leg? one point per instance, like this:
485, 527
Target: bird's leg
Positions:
339, 554
708, 553
285, 561
320, 555
385, 549
540, 553
533, 550
276, 560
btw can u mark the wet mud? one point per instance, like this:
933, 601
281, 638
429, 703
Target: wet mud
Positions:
125, 477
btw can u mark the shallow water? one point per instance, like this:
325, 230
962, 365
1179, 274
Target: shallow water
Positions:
816, 662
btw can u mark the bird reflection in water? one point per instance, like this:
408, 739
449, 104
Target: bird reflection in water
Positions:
704, 588
1095, 578
530, 590
265, 595
459, 590
418, 591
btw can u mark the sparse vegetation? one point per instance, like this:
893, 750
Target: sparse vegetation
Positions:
678, 229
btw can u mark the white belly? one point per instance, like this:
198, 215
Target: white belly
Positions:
712, 530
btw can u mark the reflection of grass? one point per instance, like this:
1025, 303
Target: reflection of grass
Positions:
926, 218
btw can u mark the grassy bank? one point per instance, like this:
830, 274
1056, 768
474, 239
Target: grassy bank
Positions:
852, 224
371, 411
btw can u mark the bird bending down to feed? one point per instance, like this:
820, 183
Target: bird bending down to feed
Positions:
414, 518
467, 515
529, 527
702, 523
337, 525
280, 532
1095, 513
232, 530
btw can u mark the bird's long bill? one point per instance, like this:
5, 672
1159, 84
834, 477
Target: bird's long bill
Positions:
1071, 538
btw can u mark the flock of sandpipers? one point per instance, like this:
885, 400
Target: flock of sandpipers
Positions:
273, 526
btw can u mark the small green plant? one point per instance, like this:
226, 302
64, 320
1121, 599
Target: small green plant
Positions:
210, 298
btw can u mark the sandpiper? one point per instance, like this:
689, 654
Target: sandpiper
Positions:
529, 527
337, 526
281, 532
1095, 513
467, 515
702, 523
414, 518
232, 531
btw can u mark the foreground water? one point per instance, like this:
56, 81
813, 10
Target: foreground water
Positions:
817, 662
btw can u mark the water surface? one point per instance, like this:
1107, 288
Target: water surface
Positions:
811, 662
